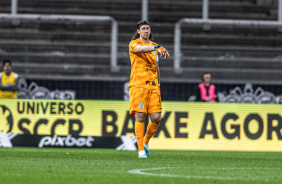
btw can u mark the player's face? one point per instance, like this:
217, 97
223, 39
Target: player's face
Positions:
7, 68
207, 78
144, 31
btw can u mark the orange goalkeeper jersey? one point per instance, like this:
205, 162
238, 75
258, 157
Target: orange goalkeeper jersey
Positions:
143, 66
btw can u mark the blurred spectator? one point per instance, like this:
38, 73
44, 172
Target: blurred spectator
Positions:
9, 81
206, 92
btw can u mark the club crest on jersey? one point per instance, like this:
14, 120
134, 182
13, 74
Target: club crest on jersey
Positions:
141, 105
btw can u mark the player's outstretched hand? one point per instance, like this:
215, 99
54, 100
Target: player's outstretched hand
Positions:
162, 51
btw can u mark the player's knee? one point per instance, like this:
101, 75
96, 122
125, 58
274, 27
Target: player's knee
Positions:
140, 117
156, 119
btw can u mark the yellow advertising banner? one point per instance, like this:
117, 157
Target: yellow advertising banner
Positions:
184, 125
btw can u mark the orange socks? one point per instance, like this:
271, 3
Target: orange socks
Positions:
151, 129
139, 132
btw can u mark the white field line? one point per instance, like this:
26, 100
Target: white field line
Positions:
141, 172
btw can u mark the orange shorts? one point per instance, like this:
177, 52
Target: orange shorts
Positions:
144, 100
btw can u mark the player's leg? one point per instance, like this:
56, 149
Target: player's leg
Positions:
138, 106
152, 126
139, 132
155, 109
151, 130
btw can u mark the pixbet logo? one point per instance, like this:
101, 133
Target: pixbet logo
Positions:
68, 141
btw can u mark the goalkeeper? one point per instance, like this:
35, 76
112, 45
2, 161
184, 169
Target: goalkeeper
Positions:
144, 94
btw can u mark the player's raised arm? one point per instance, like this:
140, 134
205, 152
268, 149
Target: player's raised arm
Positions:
145, 49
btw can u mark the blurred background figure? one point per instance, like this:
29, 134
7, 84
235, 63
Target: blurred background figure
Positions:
205, 91
9, 81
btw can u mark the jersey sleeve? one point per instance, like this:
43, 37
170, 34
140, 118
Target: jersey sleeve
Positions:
132, 46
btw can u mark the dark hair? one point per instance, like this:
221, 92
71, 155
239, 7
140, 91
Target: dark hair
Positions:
7, 61
139, 24
205, 73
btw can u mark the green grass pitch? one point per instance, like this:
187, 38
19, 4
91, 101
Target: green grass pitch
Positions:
79, 166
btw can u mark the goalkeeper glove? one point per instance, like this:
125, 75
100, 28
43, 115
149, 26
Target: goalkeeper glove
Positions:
163, 52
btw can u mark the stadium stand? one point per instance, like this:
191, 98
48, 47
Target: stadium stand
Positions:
82, 50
